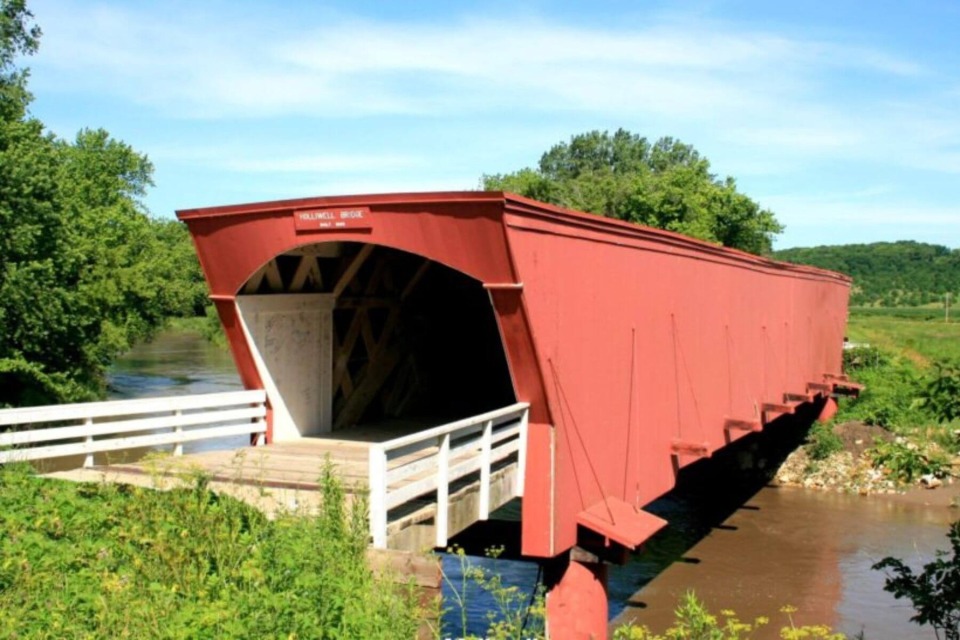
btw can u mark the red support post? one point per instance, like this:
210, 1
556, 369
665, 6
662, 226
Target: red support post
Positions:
829, 410
577, 607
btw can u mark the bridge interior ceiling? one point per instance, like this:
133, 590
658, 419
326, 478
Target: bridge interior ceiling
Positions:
412, 338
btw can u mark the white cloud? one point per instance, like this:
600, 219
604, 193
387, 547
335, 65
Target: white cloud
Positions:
203, 65
759, 103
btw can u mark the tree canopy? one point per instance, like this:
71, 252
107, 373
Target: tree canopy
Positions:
904, 273
84, 271
665, 184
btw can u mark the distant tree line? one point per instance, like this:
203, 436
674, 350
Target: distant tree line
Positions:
85, 272
889, 274
665, 184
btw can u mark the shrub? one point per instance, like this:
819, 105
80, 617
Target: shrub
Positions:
115, 561
822, 441
864, 357
941, 392
935, 591
893, 385
906, 461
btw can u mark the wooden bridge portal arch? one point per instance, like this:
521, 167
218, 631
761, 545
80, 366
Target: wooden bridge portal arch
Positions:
346, 332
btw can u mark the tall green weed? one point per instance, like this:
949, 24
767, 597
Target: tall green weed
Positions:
893, 383
694, 621
115, 561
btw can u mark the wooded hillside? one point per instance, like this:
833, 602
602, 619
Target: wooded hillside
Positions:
903, 273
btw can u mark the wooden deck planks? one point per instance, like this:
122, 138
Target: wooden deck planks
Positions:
285, 473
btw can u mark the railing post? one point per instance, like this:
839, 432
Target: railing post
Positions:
486, 444
443, 490
378, 497
261, 438
522, 450
88, 460
178, 429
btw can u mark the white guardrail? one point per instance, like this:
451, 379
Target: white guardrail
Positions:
94, 427
405, 468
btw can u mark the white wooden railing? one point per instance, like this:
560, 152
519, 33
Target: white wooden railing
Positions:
412, 466
94, 427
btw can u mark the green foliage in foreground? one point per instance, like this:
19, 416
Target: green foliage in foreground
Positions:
665, 184
693, 621
516, 615
114, 561
934, 591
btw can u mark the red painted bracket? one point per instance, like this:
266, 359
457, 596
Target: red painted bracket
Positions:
819, 387
843, 385
773, 410
836, 377
731, 424
616, 520
776, 407
688, 448
798, 397
848, 388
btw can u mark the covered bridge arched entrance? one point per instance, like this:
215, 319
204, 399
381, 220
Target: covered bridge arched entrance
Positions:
389, 329
360, 340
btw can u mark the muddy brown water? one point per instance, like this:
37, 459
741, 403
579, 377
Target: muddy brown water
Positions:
752, 549
812, 550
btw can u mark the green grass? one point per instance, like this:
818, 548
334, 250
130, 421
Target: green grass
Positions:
907, 313
920, 340
906, 384
114, 561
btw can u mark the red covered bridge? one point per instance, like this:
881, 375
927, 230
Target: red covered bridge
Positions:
450, 352
637, 351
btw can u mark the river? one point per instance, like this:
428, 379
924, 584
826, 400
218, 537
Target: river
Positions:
752, 552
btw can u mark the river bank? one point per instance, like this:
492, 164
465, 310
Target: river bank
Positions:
805, 538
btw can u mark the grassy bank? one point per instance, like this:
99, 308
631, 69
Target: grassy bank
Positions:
114, 561
915, 334
912, 371
904, 427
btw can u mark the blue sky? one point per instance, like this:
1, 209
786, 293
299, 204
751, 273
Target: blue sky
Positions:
841, 117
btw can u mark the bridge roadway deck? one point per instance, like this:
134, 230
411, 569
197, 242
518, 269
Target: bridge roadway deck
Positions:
285, 477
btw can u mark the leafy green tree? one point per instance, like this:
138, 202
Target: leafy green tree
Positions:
84, 271
935, 591
666, 184
889, 274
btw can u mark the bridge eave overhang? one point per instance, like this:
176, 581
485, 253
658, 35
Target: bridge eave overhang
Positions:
462, 230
